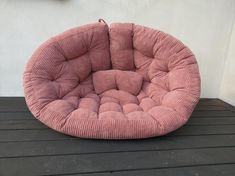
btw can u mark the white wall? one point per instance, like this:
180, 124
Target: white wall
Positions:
204, 25
227, 92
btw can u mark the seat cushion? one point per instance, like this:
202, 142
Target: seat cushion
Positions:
121, 81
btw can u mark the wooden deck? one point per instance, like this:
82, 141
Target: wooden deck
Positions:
204, 146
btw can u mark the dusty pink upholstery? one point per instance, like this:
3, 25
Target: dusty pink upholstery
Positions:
118, 82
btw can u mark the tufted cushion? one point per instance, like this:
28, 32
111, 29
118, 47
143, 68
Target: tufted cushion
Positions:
116, 79
118, 82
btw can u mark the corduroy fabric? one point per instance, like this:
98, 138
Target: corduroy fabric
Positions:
125, 81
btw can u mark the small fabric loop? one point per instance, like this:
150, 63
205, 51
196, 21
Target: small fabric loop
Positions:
102, 21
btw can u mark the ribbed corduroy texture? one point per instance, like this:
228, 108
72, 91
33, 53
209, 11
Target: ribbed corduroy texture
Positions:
120, 82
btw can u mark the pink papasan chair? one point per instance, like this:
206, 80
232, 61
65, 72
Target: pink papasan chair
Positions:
122, 81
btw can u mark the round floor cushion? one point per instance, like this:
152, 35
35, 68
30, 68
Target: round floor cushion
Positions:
120, 81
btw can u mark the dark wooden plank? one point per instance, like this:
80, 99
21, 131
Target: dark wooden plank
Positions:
13, 104
205, 113
206, 170
17, 104
209, 102
49, 134
31, 135
15, 115
78, 146
24, 115
65, 164
227, 106
197, 113
216, 102
213, 114
21, 124
28, 115
210, 108
212, 121
208, 99
36, 124
203, 129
